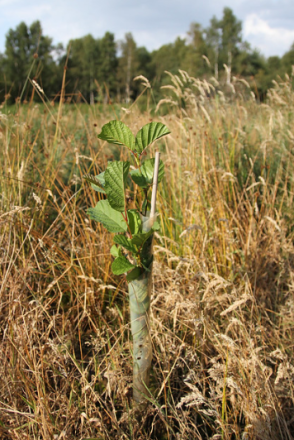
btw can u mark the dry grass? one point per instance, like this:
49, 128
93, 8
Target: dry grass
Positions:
223, 301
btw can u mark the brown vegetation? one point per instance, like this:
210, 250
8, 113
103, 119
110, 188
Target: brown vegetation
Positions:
222, 309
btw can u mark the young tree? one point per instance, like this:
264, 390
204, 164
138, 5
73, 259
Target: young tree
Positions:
134, 230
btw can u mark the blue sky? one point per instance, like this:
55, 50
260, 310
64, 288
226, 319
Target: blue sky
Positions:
267, 24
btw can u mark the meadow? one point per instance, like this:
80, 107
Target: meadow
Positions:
222, 310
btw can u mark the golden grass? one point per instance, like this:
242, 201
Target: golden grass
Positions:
222, 308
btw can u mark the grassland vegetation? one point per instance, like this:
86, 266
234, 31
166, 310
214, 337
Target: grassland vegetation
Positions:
222, 303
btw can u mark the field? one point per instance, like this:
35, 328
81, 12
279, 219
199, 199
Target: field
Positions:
222, 311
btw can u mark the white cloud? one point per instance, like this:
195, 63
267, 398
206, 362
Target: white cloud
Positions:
270, 40
7, 2
267, 24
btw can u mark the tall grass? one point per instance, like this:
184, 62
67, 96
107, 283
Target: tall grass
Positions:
222, 308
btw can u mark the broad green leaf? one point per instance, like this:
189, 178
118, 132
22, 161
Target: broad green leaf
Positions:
134, 221
116, 175
97, 182
116, 132
143, 176
112, 220
121, 265
150, 133
134, 274
115, 251
139, 239
125, 242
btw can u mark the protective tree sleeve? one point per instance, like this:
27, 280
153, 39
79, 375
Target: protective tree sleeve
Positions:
140, 294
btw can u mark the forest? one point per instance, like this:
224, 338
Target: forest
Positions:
102, 69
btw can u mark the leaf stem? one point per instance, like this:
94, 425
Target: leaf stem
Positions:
125, 217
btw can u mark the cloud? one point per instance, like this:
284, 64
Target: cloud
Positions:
267, 24
7, 2
270, 40
152, 23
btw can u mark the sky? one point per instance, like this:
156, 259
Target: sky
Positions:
268, 25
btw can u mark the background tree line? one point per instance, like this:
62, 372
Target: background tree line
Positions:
100, 70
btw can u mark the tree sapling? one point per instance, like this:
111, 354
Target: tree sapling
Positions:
134, 230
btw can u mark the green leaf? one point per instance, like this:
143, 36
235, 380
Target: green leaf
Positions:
125, 242
139, 239
116, 175
156, 226
97, 182
115, 251
134, 220
145, 266
101, 179
145, 205
150, 133
143, 176
116, 132
111, 219
135, 273
121, 265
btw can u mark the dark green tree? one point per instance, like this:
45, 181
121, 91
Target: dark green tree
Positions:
83, 65
287, 60
249, 62
213, 40
169, 57
274, 63
231, 38
2, 78
107, 62
194, 62
28, 51
127, 65
163, 59
144, 68
271, 69
145, 63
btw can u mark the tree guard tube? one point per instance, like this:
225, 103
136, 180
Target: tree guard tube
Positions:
140, 294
